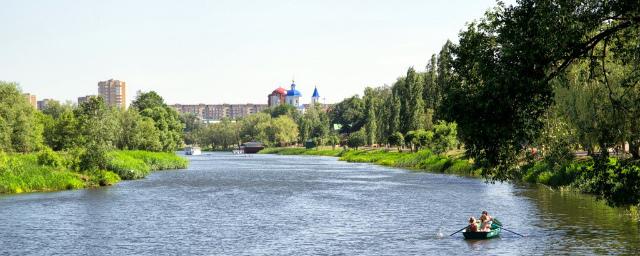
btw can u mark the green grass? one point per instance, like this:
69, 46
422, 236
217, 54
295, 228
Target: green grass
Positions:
52, 171
303, 151
136, 164
423, 160
22, 173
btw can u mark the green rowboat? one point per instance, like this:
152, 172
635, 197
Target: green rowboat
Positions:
495, 232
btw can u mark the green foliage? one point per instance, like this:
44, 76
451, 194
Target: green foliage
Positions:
20, 128
313, 124
104, 178
302, 151
97, 123
48, 157
166, 120
23, 173
396, 139
445, 137
254, 127
349, 113
138, 164
357, 139
61, 127
615, 181
283, 130
138, 132
95, 157
421, 160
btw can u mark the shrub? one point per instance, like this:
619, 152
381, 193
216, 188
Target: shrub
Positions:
95, 157
396, 139
357, 139
48, 157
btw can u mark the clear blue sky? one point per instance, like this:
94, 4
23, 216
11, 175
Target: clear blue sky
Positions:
222, 51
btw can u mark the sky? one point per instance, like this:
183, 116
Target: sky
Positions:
213, 52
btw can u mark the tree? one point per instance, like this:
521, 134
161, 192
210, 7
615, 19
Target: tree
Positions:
314, 124
97, 124
333, 140
357, 139
370, 105
20, 128
504, 66
397, 140
166, 119
138, 132
444, 137
431, 92
254, 128
61, 127
349, 113
147, 100
283, 130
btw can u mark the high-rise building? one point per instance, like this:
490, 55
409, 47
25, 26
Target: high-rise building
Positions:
31, 99
42, 104
114, 93
84, 99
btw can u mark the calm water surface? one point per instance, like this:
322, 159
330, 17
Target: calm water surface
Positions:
227, 204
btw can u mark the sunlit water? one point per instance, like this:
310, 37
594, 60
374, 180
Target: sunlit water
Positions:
228, 204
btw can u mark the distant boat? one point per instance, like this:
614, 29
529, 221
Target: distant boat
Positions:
251, 147
238, 151
192, 151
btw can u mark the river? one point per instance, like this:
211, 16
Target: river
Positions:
228, 204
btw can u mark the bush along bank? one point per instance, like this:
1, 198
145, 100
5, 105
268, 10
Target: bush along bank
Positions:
423, 160
51, 171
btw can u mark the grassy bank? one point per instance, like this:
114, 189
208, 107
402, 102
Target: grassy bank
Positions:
51, 171
422, 161
303, 151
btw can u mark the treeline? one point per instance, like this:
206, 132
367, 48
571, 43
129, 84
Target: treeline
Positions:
88, 131
278, 126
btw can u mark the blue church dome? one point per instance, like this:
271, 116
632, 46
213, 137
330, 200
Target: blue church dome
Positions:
293, 91
315, 93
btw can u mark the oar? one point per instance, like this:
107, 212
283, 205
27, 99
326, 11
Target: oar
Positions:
510, 230
459, 230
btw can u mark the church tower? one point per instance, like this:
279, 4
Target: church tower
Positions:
315, 98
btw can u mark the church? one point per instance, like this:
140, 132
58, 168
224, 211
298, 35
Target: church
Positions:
291, 97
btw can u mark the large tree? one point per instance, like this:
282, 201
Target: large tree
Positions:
20, 128
505, 63
349, 113
166, 120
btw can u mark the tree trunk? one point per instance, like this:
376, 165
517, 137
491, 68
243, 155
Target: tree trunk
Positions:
634, 149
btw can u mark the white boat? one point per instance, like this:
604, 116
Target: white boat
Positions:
192, 151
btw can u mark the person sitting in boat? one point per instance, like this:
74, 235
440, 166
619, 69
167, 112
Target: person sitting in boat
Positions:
485, 225
473, 226
485, 221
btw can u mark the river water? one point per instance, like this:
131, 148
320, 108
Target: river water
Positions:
228, 204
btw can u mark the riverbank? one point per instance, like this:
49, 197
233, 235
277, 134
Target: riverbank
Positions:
450, 163
619, 184
52, 171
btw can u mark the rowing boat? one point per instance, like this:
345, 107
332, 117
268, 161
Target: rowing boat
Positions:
494, 232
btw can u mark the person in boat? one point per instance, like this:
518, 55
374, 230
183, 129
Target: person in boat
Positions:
485, 221
484, 224
473, 226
